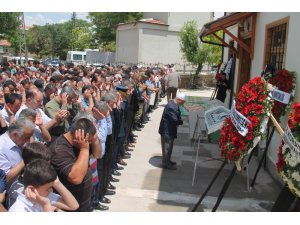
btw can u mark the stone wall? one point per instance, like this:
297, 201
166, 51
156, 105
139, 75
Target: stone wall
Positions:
206, 80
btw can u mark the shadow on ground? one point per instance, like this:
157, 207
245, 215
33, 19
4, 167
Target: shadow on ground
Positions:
175, 187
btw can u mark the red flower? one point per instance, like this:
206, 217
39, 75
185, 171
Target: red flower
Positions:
283, 80
250, 102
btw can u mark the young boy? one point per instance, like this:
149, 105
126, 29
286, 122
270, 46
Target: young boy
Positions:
32, 151
40, 179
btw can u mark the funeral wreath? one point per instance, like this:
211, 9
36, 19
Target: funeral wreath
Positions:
288, 165
254, 104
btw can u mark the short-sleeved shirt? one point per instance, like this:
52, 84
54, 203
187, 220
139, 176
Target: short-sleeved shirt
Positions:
149, 85
5, 115
102, 133
63, 158
10, 153
22, 204
109, 125
46, 119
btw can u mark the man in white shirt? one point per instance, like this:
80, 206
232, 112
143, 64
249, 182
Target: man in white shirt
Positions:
34, 100
12, 106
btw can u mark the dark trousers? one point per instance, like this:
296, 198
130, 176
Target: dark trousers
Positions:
118, 150
99, 186
95, 196
167, 148
286, 201
107, 164
2, 181
171, 93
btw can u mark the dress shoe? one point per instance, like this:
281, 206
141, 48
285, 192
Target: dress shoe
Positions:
125, 157
110, 192
105, 200
101, 207
129, 149
116, 173
127, 153
137, 129
120, 168
112, 179
172, 163
131, 145
140, 125
133, 135
111, 187
169, 167
122, 162
132, 141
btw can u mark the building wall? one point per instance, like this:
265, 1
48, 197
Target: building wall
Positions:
292, 58
160, 47
291, 64
177, 19
161, 16
127, 45
149, 43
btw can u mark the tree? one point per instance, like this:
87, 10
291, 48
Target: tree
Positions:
38, 41
81, 38
105, 24
9, 23
195, 52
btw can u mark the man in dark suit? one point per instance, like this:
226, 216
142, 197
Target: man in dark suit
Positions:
170, 120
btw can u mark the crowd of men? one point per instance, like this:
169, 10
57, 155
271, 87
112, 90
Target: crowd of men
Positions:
69, 128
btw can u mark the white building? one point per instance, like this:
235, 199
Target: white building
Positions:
260, 39
154, 39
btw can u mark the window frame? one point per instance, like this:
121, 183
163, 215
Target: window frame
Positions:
267, 47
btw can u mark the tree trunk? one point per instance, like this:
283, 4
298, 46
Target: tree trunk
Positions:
199, 68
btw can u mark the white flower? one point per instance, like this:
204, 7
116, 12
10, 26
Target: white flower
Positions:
296, 176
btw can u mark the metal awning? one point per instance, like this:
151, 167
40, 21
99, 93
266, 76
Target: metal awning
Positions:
222, 24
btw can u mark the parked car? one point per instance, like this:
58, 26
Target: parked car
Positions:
52, 62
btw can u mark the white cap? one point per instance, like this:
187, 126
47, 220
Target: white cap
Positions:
181, 96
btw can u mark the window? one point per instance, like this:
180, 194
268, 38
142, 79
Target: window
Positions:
77, 57
276, 39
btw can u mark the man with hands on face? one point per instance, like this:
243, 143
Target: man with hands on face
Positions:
62, 103
70, 158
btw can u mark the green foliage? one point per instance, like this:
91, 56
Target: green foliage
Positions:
9, 23
81, 38
105, 25
56, 40
195, 52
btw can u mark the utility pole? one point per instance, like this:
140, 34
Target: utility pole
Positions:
22, 39
74, 24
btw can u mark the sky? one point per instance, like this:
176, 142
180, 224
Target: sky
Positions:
41, 18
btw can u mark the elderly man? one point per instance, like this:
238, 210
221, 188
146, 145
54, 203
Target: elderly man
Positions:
170, 120
12, 106
173, 83
34, 100
11, 144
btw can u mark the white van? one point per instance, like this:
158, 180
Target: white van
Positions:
18, 60
78, 57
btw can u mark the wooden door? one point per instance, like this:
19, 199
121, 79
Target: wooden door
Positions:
244, 65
